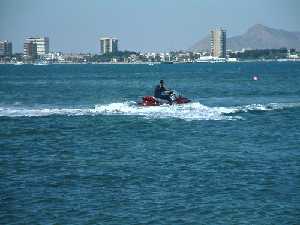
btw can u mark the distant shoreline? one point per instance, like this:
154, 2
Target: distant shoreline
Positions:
157, 63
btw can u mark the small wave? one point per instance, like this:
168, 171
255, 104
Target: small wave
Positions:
191, 111
265, 107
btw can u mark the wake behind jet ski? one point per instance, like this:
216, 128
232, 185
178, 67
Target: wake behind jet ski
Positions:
163, 95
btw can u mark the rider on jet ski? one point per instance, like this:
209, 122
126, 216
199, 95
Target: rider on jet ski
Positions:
162, 92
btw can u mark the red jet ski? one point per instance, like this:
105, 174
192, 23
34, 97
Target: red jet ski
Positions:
152, 101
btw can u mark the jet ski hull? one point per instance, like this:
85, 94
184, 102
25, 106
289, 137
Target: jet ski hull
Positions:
152, 101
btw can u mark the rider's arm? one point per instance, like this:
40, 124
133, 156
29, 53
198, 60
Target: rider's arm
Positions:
167, 92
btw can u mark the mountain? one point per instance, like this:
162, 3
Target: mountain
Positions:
256, 37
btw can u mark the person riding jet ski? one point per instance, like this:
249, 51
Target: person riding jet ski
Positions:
162, 92
163, 95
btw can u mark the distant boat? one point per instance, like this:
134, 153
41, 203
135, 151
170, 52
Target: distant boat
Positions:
255, 78
166, 62
18, 63
41, 63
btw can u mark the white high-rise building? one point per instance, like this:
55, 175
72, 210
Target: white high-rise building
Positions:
5, 48
218, 43
108, 45
30, 50
42, 44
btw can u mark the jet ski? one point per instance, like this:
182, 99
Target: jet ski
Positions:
152, 101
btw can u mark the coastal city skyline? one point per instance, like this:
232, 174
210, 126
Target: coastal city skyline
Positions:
155, 26
39, 46
36, 50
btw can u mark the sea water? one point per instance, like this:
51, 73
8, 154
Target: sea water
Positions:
77, 149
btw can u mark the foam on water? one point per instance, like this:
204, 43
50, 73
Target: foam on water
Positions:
192, 111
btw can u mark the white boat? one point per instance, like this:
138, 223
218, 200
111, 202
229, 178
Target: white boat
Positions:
18, 63
41, 63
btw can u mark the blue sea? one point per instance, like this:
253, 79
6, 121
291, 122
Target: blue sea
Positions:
77, 149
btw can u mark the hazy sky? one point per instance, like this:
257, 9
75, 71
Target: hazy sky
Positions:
141, 25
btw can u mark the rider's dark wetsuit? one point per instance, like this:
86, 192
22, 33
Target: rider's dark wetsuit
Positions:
159, 92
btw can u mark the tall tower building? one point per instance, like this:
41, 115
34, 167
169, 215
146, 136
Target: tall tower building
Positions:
42, 44
5, 48
218, 43
30, 50
108, 45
